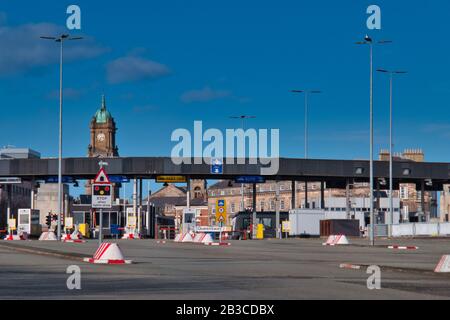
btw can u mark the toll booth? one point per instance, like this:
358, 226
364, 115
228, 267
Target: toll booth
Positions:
188, 221
29, 222
131, 218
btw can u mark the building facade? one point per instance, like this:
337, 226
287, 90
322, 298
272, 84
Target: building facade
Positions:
409, 198
16, 196
103, 131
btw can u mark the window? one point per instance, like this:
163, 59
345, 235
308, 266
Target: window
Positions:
272, 205
404, 194
267, 222
233, 208
262, 205
282, 204
197, 193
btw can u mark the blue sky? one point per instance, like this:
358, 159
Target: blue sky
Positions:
164, 64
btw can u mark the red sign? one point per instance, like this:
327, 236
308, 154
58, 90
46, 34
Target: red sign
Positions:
102, 177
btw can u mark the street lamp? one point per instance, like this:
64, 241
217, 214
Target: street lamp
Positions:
243, 118
368, 41
391, 144
307, 93
60, 39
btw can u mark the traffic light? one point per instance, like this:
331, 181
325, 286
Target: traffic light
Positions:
100, 190
48, 220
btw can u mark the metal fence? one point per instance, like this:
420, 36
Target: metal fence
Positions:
413, 230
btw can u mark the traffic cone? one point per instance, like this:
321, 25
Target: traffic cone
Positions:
131, 234
187, 237
207, 239
75, 237
12, 237
443, 265
48, 236
336, 240
108, 253
9, 237
199, 237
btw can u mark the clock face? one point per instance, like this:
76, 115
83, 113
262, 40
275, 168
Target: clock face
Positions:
101, 137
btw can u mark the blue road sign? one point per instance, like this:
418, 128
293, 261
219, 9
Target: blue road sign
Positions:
250, 179
221, 203
217, 166
118, 179
54, 179
115, 229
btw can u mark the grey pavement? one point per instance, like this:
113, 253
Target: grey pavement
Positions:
270, 269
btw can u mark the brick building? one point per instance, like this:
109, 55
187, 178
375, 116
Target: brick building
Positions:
410, 198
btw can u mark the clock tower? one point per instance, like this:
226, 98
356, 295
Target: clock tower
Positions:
103, 134
103, 140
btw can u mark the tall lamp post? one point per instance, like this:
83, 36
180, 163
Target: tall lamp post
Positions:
307, 93
391, 74
243, 118
60, 39
368, 41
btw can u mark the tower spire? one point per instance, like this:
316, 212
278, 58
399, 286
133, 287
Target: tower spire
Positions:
103, 102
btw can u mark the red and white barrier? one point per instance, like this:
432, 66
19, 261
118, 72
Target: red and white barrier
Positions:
48, 236
108, 253
336, 240
443, 265
203, 238
184, 238
403, 247
199, 237
75, 237
350, 266
218, 244
131, 234
11, 237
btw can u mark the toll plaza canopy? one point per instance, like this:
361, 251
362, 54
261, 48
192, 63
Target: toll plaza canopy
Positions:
336, 173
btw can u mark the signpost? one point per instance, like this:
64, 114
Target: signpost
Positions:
217, 166
221, 215
10, 181
286, 226
221, 211
250, 180
171, 179
101, 196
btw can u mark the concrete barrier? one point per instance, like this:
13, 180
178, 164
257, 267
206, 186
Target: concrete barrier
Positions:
420, 229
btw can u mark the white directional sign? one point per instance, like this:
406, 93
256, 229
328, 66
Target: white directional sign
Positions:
102, 191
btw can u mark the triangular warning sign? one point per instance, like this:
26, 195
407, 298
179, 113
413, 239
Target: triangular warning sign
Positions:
102, 177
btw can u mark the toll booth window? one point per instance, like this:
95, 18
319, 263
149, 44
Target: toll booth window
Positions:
246, 223
78, 218
189, 218
114, 217
267, 222
105, 220
24, 219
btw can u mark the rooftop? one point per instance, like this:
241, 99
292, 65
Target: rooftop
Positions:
18, 153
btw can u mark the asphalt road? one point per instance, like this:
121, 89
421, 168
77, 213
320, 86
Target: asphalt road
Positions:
272, 269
